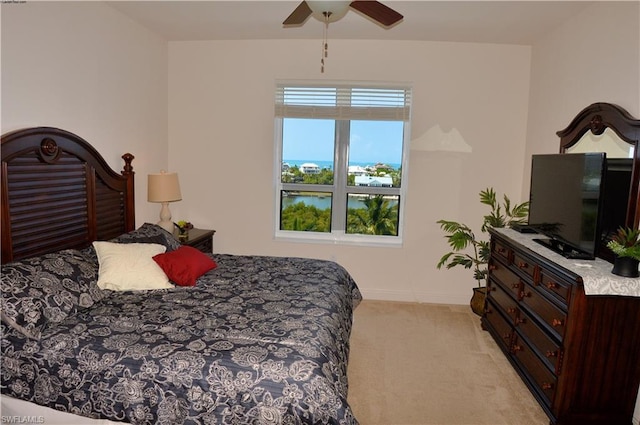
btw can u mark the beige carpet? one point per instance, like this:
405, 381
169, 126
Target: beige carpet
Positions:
429, 364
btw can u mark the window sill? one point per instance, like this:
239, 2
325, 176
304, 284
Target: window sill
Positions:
339, 239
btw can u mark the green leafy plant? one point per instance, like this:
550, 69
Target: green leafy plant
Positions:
626, 243
469, 251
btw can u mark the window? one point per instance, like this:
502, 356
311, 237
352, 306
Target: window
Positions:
341, 151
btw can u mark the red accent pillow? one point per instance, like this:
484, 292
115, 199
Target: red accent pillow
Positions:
184, 265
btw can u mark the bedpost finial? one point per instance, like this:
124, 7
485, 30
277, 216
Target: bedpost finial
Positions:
128, 169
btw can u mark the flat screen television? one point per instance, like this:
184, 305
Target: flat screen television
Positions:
565, 202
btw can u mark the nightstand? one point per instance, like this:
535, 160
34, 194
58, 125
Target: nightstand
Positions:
201, 239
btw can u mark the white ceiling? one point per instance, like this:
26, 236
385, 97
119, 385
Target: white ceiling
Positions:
510, 22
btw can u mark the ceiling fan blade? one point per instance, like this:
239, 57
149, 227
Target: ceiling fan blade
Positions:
298, 16
377, 11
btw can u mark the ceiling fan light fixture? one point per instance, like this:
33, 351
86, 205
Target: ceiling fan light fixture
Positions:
328, 11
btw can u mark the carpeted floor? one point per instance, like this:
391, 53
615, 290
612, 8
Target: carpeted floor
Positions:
430, 364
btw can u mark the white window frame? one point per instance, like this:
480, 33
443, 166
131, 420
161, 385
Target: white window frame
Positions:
339, 189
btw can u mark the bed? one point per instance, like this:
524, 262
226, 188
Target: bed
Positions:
231, 339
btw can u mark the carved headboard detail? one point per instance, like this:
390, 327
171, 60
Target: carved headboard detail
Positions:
58, 192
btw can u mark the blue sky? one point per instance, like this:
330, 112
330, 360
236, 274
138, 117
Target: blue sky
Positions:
371, 141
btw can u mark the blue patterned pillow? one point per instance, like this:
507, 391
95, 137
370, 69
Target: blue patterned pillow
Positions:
46, 289
149, 233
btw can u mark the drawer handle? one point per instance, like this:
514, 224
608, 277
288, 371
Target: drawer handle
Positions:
511, 310
501, 250
523, 265
551, 354
492, 267
527, 294
547, 386
517, 348
557, 322
506, 336
552, 285
520, 320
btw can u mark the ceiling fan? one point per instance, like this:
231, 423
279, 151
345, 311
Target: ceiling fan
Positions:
331, 11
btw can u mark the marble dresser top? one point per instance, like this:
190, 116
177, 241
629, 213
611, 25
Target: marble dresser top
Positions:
596, 274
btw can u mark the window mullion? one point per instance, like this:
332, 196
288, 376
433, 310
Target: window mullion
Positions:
301, 187
374, 190
341, 156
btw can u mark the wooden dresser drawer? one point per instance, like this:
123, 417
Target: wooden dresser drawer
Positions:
539, 376
545, 310
507, 278
501, 251
500, 326
548, 349
526, 266
556, 286
507, 303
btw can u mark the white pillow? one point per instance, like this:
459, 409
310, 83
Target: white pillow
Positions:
130, 266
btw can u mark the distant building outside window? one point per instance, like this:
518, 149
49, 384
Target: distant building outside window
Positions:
341, 151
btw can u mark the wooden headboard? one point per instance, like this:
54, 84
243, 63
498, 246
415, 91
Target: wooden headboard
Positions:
59, 193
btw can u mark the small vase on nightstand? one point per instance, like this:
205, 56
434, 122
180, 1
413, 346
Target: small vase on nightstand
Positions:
183, 230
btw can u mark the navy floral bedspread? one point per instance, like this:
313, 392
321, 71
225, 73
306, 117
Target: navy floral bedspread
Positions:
258, 340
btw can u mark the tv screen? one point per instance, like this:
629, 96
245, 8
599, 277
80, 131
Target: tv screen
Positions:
566, 201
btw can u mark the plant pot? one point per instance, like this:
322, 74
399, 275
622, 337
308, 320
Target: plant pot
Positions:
625, 266
477, 300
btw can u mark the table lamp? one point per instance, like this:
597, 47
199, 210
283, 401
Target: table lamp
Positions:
164, 188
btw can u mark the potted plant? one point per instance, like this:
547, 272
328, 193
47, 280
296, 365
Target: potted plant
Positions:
625, 244
471, 252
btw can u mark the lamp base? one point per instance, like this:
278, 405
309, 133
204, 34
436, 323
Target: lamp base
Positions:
166, 225
165, 218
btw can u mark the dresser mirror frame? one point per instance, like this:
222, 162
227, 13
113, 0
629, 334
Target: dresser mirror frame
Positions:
596, 118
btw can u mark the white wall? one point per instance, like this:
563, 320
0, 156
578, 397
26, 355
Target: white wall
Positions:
221, 131
594, 57
86, 68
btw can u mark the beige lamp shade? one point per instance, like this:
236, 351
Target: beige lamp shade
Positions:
163, 187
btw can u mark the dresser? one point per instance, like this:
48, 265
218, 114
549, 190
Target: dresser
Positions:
577, 350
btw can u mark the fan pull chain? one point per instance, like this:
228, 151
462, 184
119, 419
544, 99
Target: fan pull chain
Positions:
325, 44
